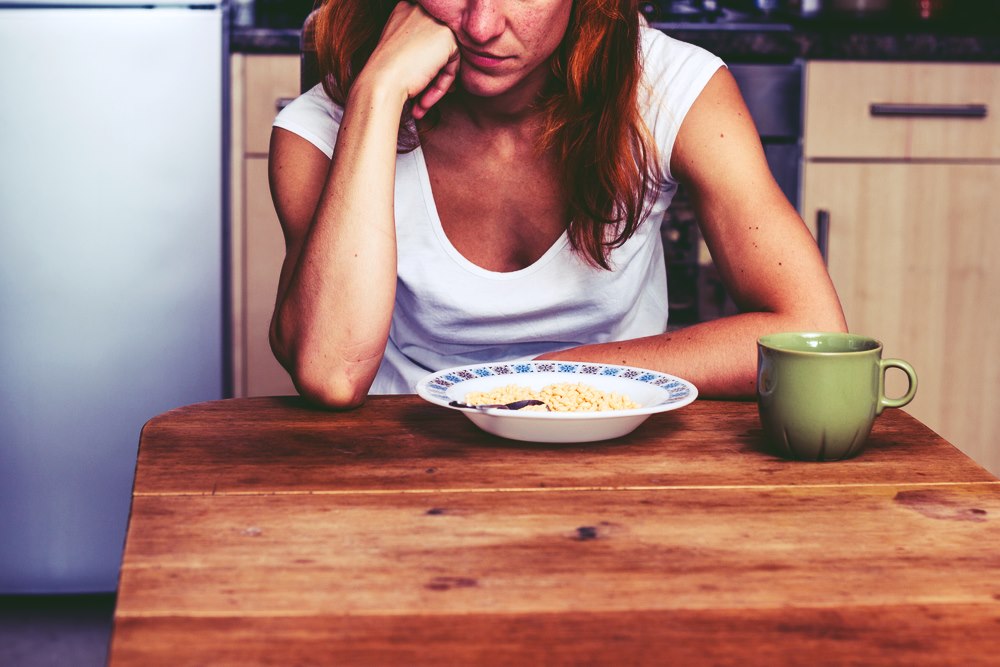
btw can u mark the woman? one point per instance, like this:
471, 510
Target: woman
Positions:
514, 210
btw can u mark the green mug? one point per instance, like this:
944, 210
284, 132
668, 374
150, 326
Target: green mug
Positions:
818, 393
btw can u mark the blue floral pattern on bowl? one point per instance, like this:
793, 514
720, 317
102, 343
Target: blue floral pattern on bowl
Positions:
438, 385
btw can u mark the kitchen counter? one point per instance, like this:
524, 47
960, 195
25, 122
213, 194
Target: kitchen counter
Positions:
762, 42
261, 39
840, 41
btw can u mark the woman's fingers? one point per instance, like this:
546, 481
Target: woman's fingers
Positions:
414, 51
439, 87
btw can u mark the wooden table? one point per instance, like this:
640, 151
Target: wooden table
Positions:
263, 532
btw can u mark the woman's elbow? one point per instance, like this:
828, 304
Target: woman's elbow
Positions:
327, 386
825, 315
336, 387
329, 392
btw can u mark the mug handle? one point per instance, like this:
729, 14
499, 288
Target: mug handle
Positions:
885, 401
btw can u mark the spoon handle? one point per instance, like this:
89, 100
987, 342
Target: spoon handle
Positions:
516, 405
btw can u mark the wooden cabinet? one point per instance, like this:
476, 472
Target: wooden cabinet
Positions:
260, 84
914, 209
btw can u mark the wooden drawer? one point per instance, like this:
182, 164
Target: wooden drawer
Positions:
900, 110
270, 80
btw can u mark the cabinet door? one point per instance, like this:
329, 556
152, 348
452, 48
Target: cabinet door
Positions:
912, 255
265, 251
271, 81
260, 84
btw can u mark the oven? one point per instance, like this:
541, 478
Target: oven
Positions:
717, 12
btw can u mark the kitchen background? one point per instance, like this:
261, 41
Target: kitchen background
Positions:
140, 249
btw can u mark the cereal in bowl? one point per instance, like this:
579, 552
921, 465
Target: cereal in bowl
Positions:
563, 397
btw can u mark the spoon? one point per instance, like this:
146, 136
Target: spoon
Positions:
516, 405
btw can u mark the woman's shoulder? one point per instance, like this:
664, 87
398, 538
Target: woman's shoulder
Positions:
674, 74
665, 58
314, 117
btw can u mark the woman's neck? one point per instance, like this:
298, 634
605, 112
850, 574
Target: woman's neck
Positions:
516, 107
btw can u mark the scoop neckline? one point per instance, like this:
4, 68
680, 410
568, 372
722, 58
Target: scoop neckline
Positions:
435, 220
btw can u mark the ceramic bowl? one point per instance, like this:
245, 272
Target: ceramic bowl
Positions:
653, 391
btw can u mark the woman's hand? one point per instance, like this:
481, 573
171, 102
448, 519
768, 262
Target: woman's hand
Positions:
417, 53
336, 290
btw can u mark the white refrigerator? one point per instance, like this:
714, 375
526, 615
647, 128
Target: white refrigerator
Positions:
112, 274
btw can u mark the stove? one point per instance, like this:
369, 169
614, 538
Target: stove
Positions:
713, 14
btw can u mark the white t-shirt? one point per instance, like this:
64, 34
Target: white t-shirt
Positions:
451, 312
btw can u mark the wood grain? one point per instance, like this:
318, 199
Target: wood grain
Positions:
619, 577
560, 551
264, 532
280, 445
906, 635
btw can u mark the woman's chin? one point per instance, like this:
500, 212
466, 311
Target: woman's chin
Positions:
479, 85
508, 92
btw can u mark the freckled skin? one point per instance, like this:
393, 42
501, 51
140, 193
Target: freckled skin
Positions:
524, 33
484, 64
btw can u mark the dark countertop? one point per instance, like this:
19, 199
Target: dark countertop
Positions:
762, 42
264, 40
843, 41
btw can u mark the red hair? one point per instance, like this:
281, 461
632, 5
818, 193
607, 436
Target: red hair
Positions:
592, 118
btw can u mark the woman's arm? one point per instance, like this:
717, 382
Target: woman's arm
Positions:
767, 258
337, 284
